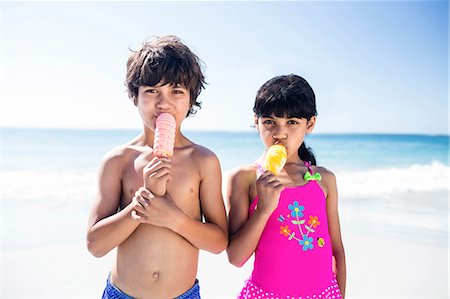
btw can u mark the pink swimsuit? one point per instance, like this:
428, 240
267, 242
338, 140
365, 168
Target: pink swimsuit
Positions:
293, 258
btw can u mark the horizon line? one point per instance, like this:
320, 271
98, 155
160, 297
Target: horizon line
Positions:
219, 131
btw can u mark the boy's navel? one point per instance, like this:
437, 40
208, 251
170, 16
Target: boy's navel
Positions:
155, 275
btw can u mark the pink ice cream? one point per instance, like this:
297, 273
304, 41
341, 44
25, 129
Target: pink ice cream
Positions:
164, 135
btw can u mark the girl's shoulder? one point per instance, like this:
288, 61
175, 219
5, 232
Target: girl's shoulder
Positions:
322, 170
328, 177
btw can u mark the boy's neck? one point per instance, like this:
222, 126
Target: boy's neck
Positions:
148, 138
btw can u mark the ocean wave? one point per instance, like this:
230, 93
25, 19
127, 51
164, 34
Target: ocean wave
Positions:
394, 181
64, 187
54, 187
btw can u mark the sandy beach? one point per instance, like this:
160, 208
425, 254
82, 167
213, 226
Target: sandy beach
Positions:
378, 267
394, 222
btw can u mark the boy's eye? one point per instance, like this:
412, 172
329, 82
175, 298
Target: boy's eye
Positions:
178, 91
292, 122
150, 90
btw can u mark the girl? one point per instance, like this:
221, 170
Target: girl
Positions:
289, 221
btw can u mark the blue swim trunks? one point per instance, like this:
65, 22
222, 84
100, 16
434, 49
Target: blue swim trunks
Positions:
112, 292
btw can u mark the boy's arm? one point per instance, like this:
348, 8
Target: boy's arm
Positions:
163, 211
108, 228
211, 236
335, 229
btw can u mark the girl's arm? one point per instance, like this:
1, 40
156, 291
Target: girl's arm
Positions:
108, 228
335, 229
246, 231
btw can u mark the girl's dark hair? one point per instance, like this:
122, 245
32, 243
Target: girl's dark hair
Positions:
166, 60
288, 96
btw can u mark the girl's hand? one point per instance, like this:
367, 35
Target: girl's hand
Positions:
269, 189
155, 210
156, 175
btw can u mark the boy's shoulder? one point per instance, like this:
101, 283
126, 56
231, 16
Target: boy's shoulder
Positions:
246, 173
122, 152
198, 153
201, 151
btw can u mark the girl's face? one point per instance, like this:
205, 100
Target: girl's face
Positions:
289, 132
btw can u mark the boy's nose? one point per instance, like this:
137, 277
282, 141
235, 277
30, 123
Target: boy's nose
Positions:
163, 102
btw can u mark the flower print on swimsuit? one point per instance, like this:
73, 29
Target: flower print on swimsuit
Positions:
284, 230
306, 227
297, 209
313, 221
307, 243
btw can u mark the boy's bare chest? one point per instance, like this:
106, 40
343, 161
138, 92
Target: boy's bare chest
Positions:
183, 185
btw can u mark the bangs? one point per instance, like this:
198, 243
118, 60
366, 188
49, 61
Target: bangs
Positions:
286, 96
284, 107
167, 71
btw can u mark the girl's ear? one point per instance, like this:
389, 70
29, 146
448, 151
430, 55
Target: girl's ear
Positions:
311, 124
255, 122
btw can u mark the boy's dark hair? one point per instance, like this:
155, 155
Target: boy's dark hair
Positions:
169, 61
288, 96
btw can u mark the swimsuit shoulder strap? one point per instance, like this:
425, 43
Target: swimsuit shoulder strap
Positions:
310, 175
307, 164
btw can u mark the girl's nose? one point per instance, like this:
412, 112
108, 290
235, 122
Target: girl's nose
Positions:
279, 134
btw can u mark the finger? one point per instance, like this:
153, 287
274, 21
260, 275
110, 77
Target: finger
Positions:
146, 194
165, 159
159, 173
279, 187
139, 209
138, 200
138, 216
269, 181
135, 215
143, 201
135, 200
263, 176
157, 163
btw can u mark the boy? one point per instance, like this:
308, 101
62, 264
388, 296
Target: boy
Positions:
151, 208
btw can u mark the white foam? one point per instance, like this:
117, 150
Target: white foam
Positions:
54, 188
393, 181
65, 187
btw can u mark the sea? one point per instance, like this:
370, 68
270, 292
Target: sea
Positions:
388, 184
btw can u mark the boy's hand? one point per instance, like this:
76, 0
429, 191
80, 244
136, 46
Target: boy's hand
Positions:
269, 189
156, 210
156, 175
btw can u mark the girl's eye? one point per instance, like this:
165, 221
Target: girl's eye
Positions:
268, 122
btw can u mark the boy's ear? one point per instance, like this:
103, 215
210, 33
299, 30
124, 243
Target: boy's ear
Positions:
311, 124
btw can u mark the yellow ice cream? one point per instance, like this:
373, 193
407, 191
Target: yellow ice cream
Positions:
275, 158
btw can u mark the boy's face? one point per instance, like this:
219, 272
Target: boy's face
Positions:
154, 100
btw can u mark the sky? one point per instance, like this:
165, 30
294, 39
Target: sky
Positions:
375, 67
